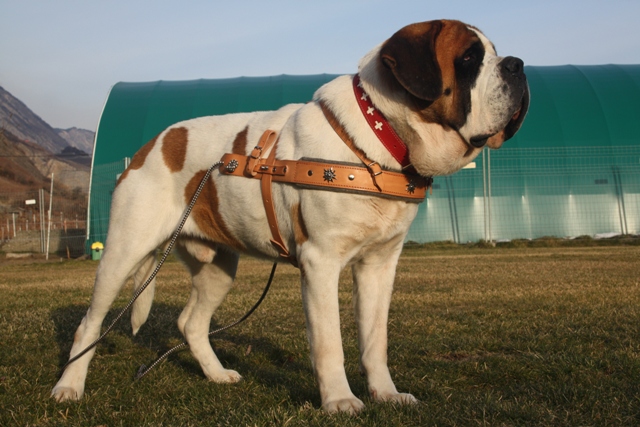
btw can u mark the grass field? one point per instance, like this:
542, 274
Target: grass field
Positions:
481, 336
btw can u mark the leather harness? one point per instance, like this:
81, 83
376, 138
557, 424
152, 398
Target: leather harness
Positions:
368, 178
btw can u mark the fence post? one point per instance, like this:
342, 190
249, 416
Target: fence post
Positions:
620, 196
41, 208
490, 197
453, 211
486, 193
50, 208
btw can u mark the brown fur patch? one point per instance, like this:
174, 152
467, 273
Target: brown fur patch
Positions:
240, 143
138, 158
454, 39
300, 232
206, 213
449, 42
174, 148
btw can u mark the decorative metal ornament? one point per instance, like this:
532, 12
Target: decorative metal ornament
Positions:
352, 177
411, 187
233, 164
329, 175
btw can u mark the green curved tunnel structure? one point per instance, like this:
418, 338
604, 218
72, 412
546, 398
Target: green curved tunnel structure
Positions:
572, 170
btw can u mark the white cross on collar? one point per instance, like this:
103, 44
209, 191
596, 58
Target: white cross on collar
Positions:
370, 110
378, 125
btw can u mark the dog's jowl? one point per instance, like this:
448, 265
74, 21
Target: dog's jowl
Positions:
337, 183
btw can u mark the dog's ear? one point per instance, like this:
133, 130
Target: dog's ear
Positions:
410, 55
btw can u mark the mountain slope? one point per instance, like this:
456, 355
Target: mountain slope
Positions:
25, 165
81, 139
20, 121
18, 170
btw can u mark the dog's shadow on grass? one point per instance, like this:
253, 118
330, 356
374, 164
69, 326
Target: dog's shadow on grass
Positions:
252, 356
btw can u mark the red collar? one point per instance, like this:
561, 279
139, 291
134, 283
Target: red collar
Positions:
380, 125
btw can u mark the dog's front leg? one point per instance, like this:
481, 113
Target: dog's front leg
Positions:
373, 286
320, 298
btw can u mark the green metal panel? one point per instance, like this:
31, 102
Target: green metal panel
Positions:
136, 112
581, 106
572, 169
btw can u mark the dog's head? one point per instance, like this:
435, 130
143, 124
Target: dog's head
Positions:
448, 74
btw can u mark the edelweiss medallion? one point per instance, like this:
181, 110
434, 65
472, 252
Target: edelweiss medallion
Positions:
411, 187
329, 175
233, 164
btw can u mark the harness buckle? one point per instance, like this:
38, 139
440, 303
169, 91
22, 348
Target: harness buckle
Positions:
256, 153
375, 170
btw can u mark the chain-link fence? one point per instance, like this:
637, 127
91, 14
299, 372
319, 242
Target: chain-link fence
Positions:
529, 193
512, 193
103, 183
506, 194
33, 220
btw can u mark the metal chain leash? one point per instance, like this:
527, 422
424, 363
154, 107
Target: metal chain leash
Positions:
172, 242
144, 369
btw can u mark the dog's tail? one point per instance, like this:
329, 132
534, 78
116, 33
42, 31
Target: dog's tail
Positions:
142, 306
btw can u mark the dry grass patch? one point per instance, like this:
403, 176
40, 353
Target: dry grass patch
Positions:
497, 336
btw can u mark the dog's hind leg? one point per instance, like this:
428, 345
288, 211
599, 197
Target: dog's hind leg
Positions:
210, 284
130, 243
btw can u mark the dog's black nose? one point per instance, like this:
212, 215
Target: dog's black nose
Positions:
512, 65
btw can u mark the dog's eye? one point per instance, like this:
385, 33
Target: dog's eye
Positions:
470, 56
473, 55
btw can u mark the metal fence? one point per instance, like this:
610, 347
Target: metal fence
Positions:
103, 183
512, 193
34, 221
507, 194
516, 193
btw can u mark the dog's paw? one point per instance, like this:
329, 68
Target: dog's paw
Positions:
351, 405
399, 398
63, 394
226, 376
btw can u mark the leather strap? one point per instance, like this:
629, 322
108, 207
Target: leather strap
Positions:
374, 167
337, 176
267, 140
380, 126
254, 167
347, 177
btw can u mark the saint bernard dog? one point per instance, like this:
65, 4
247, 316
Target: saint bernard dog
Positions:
445, 92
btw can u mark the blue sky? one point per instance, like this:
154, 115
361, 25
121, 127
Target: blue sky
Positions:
62, 57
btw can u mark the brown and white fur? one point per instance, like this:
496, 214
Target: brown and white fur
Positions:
444, 90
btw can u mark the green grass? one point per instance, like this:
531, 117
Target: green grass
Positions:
522, 336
